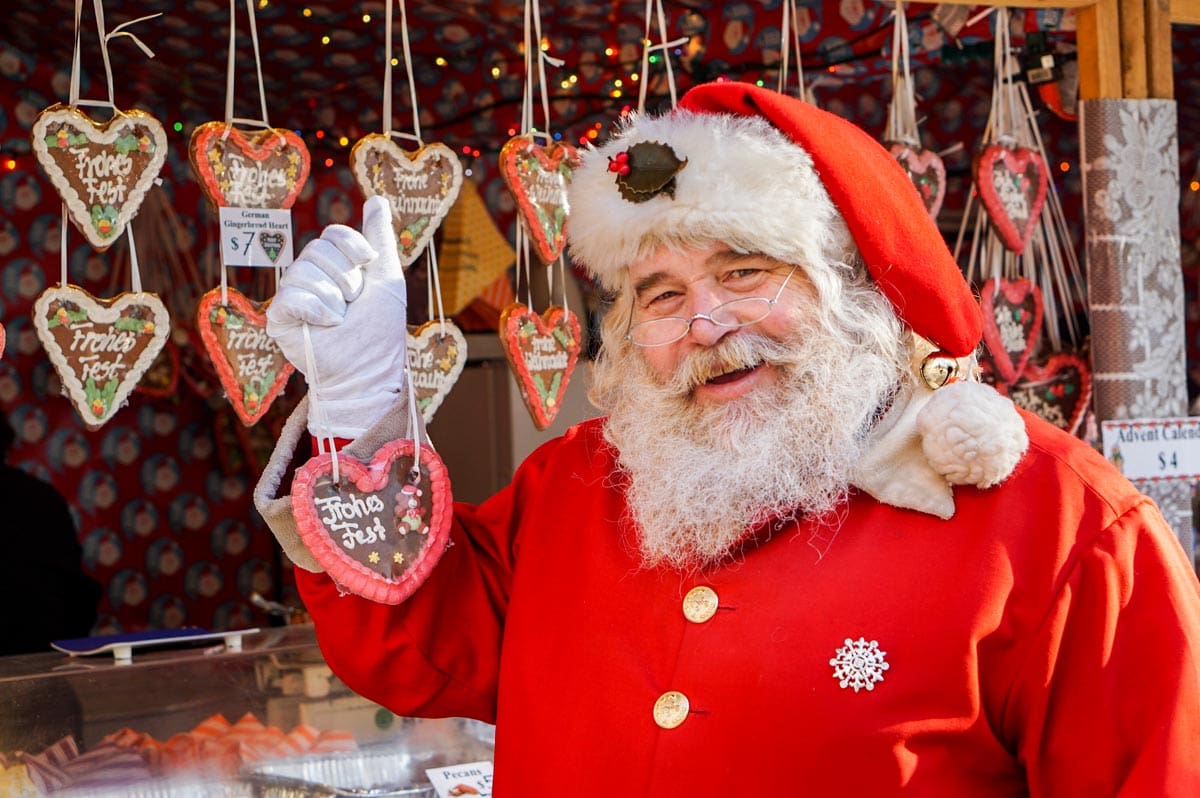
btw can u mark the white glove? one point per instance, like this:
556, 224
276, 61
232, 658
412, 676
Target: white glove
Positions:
349, 288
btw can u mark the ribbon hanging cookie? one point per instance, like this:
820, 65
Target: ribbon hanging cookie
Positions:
538, 178
250, 365
421, 186
542, 352
1012, 186
381, 528
260, 169
926, 171
102, 170
100, 347
437, 353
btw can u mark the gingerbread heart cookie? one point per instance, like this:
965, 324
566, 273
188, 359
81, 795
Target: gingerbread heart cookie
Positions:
102, 170
1012, 324
437, 352
538, 178
1058, 389
542, 352
926, 171
250, 365
1012, 186
383, 526
258, 169
420, 185
100, 347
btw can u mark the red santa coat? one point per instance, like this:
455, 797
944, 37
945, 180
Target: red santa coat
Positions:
1042, 642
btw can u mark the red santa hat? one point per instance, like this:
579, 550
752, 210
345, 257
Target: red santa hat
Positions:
763, 172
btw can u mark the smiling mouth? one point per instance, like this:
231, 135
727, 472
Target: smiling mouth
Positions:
730, 376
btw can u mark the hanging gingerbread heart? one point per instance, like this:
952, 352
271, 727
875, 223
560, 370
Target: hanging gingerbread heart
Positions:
926, 171
102, 170
383, 526
250, 365
100, 347
1012, 324
542, 351
256, 169
437, 352
421, 186
1058, 389
538, 178
1012, 187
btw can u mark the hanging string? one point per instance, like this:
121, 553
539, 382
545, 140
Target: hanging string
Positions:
655, 7
790, 37
73, 91
408, 71
325, 439
230, 119
902, 112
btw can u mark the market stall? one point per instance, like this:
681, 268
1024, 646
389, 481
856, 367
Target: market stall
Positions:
157, 467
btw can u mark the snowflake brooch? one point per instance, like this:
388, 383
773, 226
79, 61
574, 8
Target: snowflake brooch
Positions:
859, 664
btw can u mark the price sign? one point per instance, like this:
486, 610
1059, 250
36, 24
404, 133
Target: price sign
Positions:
1154, 448
256, 236
472, 779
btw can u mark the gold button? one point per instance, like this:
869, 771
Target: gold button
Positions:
671, 709
700, 604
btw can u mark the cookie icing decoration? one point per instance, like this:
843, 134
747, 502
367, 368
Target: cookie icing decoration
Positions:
1012, 186
380, 529
538, 178
542, 352
102, 170
250, 365
421, 186
100, 347
437, 353
1012, 324
257, 169
1059, 389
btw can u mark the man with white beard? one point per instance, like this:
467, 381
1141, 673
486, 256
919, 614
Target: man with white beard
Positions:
805, 552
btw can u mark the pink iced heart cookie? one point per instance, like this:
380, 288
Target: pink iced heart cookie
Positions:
538, 178
421, 187
1058, 389
100, 347
542, 351
260, 169
926, 171
251, 366
380, 529
1012, 186
1012, 324
102, 170
437, 352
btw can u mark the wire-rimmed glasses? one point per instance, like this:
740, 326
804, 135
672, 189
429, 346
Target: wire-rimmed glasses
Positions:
735, 313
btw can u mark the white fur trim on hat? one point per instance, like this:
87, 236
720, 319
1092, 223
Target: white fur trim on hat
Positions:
972, 435
744, 184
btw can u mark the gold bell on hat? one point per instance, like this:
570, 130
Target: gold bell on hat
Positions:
938, 368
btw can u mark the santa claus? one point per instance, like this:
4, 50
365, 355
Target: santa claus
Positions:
804, 552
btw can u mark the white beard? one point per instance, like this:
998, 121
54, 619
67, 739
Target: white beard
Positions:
700, 476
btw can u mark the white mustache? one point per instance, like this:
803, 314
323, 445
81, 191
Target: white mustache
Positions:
731, 353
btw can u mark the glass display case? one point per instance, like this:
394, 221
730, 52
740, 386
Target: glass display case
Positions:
204, 719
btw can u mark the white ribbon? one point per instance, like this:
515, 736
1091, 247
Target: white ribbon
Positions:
654, 7
408, 69
902, 111
324, 436
230, 119
789, 37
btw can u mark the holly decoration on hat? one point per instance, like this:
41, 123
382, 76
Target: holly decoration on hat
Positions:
646, 170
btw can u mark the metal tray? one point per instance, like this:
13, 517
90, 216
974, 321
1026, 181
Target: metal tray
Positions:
378, 772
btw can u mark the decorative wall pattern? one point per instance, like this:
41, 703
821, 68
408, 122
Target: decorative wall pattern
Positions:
1131, 180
